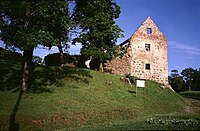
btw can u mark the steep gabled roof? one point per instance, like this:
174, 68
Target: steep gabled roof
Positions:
141, 32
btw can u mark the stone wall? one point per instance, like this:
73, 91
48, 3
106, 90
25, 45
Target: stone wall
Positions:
119, 65
137, 56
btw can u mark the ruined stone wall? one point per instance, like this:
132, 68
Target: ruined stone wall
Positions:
120, 65
137, 56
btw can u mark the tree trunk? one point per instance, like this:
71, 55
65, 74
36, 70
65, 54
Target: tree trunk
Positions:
61, 54
101, 68
26, 67
189, 85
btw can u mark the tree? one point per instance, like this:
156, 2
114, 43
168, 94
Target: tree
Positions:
188, 76
37, 60
25, 24
175, 80
197, 80
191, 77
58, 22
174, 73
99, 32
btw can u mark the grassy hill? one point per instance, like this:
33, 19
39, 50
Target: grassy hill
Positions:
64, 98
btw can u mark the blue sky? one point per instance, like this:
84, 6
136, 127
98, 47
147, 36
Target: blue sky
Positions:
178, 20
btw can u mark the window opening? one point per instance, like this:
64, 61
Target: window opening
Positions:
147, 47
147, 66
149, 31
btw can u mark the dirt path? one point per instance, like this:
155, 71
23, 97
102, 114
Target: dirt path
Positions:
192, 106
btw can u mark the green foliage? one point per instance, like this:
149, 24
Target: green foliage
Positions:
37, 60
131, 78
5, 54
26, 24
176, 81
174, 73
172, 121
189, 79
191, 94
56, 60
122, 51
99, 32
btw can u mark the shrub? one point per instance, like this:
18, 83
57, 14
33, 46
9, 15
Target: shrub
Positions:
170, 121
131, 78
5, 54
37, 60
55, 59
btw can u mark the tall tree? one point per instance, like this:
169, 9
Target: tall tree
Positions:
58, 22
191, 77
25, 24
99, 31
188, 76
175, 80
197, 80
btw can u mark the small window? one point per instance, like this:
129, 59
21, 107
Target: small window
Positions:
147, 47
148, 30
147, 66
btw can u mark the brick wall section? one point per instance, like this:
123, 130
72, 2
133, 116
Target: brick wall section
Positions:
135, 60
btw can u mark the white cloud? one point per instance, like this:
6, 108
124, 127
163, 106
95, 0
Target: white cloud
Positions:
54, 49
75, 49
43, 51
184, 48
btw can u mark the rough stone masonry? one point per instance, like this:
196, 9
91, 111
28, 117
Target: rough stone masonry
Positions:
145, 57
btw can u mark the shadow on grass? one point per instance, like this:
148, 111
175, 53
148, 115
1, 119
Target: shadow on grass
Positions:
41, 77
132, 92
13, 126
10, 75
44, 76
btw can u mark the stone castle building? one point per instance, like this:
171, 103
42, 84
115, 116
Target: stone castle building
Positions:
145, 57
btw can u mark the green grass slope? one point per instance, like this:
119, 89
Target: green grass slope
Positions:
64, 98
191, 94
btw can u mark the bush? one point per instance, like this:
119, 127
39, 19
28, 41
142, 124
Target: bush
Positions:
37, 60
55, 59
131, 78
5, 54
172, 121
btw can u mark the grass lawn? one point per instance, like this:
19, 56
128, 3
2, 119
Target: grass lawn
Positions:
191, 94
79, 99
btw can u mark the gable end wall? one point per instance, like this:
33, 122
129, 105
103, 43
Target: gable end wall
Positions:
134, 61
